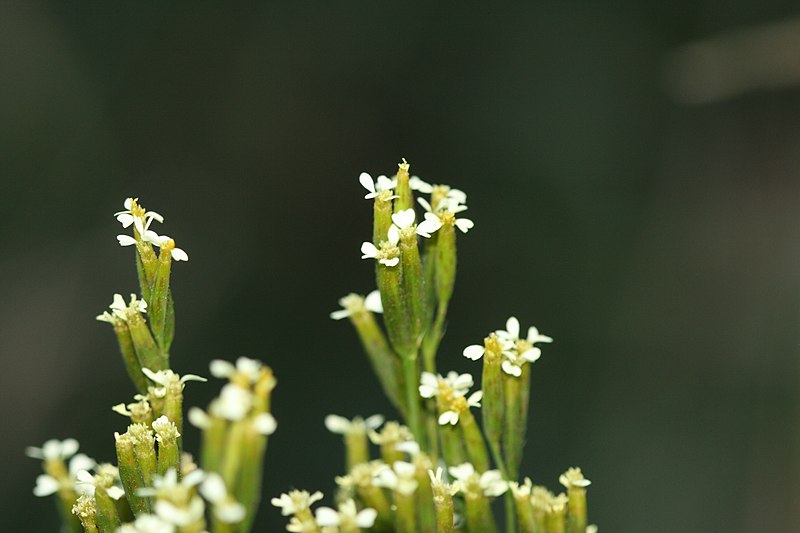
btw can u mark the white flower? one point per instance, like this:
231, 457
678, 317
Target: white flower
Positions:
53, 449
438, 484
374, 188
294, 501
233, 403
226, 508
181, 516
122, 311
249, 368
47, 484
348, 516
164, 242
511, 333
106, 477
490, 483
410, 447
388, 253
341, 425
448, 207
431, 384
574, 478
451, 416
514, 361
354, 303
400, 477
126, 217
167, 377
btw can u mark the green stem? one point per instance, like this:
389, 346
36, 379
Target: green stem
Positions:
411, 374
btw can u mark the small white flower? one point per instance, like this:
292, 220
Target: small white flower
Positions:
126, 217
388, 253
249, 368
165, 243
431, 385
354, 303
348, 516
449, 206
122, 311
431, 224
400, 477
167, 377
511, 333
574, 478
374, 188
341, 425
106, 477
294, 501
53, 449
233, 403
181, 516
490, 483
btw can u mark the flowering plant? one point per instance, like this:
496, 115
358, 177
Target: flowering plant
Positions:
438, 468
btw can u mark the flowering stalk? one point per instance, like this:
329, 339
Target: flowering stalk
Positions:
516, 413
576, 485
129, 357
405, 198
443, 501
129, 474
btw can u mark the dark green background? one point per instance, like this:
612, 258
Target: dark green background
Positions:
656, 241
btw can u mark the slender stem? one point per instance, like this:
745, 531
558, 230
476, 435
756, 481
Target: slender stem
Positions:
412, 398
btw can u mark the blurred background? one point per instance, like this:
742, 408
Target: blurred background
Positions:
633, 174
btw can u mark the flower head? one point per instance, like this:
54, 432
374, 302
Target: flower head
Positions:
355, 303
388, 253
574, 478
375, 188
226, 509
348, 516
341, 425
295, 501
489, 483
400, 477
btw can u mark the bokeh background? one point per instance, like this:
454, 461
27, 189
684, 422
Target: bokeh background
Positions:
632, 172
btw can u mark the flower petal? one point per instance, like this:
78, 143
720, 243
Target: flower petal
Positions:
340, 314
125, 240
373, 302
179, 255
464, 224
474, 352
368, 250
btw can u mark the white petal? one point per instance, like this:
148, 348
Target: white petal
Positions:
458, 195
390, 262
126, 219
128, 203
80, 462
427, 391
511, 369
265, 424
531, 355
230, 512
198, 418
115, 493
425, 204
374, 421
126, 240
385, 184
368, 250
327, 517
462, 381
45, 485
464, 224
417, 184
179, 255
84, 476
213, 488
373, 302
512, 327
448, 417
366, 181
154, 216
462, 471
337, 424
139, 225
221, 369
152, 237
340, 314
404, 219
534, 336
34, 452
474, 352
394, 234
366, 518
69, 447
475, 399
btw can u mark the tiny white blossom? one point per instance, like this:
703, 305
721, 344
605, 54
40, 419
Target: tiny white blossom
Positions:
347, 516
226, 509
126, 217
147, 523
374, 188
489, 483
354, 303
450, 205
53, 449
574, 478
47, 484
400, 477
294, 501
431, 224
431, 384
388, 253
106, 477
166, 377
249, 368
341, 425
233, 403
